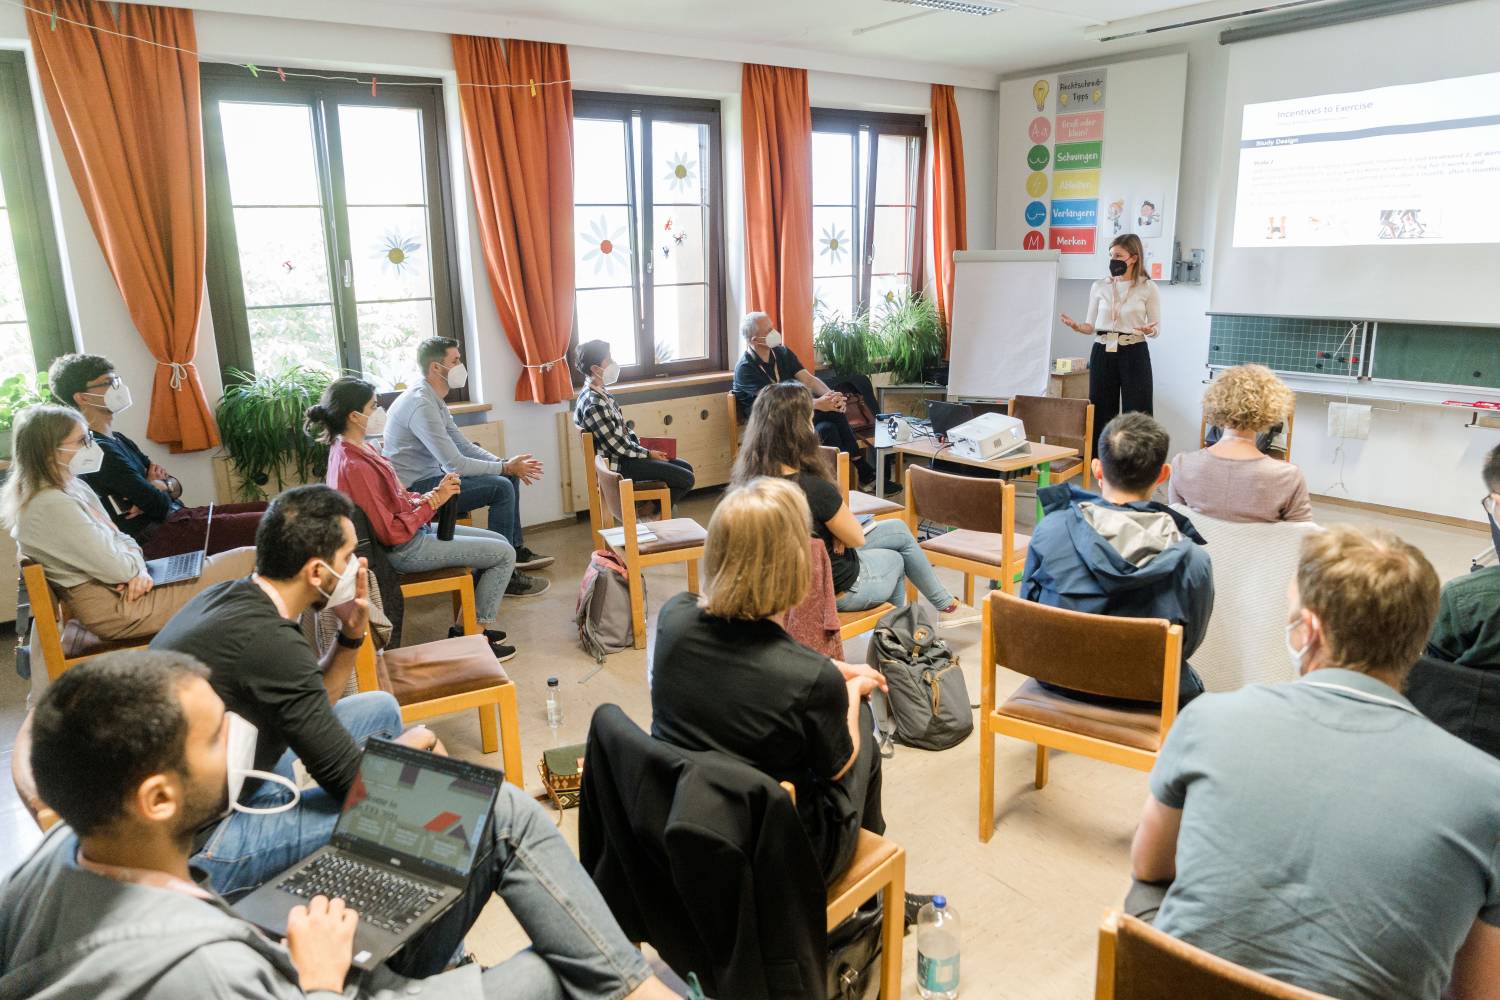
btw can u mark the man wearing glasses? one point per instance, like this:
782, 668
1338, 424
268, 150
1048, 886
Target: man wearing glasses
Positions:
1467, 631
142, 498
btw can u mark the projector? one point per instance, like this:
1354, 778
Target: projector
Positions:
987, 436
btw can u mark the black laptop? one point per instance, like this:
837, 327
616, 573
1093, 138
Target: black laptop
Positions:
184, 565
946, 416
401, 854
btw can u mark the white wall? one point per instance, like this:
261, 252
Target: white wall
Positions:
102, 324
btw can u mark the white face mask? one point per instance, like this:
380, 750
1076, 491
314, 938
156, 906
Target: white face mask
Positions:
1296, 655
346, 586
375, 422
611, 373
774, 339
115, 399
240, 755
86, 459
457, 376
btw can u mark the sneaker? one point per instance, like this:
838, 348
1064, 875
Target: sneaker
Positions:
525, 585
529, 560
502, 652
962, 614
494, 635
914, 904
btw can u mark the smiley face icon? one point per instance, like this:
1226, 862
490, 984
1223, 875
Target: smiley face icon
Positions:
1037, 157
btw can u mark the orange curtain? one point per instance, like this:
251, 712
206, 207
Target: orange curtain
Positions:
778, 201
128, 116
949, 225
520, 148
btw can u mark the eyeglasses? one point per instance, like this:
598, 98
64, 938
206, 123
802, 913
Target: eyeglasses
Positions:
113, 382
1489, 504
87, 441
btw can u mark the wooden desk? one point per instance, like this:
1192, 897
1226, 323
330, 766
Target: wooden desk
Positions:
1039, 455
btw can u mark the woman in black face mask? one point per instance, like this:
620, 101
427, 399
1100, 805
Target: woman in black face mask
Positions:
1124, 310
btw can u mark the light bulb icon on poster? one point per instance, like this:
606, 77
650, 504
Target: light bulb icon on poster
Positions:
1039, 94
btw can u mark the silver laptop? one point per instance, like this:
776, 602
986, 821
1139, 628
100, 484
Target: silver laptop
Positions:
184, 565
401, 854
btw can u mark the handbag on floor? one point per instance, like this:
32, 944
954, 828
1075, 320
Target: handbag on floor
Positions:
603, 611
928, 703
854, 950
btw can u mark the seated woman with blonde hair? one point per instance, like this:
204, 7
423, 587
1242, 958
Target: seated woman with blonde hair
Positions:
57, 520
1233, 480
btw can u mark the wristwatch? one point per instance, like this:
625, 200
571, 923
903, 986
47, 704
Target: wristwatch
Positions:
346, 642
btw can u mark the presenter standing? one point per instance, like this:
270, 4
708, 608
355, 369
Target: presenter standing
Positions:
1124, 310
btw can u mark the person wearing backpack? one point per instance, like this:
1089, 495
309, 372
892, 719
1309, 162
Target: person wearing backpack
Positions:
727, 677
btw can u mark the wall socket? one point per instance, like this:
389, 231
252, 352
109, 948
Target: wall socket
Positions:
1349, 420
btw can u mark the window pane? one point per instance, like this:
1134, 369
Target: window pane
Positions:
269, 149
885, 289
894, 171
602, 248
891, 245
382, 155
830, 162
833, 297
388, 336
390, 254
599, 162
282, 256
680, 254
16, 357
12, 306
833, 243
608, 314
679, 319
292, 337
678, 148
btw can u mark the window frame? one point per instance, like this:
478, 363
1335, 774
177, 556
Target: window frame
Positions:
322, 97
32, 224
691, 110
879, 123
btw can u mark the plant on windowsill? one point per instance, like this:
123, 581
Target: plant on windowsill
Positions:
911, 335
261, 425
17, 393
843, 345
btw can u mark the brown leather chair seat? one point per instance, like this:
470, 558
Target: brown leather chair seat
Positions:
980, 546
861, 504
439, 669
673, 534
1134, 727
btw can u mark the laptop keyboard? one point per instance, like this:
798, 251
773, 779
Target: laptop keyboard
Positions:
183, 564
382, 898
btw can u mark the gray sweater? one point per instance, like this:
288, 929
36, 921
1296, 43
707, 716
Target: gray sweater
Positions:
69, 533
66, 933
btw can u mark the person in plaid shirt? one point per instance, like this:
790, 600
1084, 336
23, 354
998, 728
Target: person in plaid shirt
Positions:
597, 412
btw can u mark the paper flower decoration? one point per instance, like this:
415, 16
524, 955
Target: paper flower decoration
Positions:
395, 251
681, 172
835, 244
608, 250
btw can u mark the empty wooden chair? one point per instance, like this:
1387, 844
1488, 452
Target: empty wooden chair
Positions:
1060, 421
1139, 659
644, 493
457, 581
982, 512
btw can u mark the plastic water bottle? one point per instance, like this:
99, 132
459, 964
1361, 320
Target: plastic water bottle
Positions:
937, 950
554, 705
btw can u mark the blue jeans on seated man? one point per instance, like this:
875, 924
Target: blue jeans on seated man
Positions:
889, 556
577, 948
501, 494
246, 849
474, 548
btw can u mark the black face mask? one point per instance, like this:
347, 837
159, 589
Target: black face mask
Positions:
1118, 267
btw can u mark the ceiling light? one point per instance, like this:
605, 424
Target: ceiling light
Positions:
979, 8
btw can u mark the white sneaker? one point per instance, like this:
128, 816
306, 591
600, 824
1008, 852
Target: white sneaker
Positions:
962, 614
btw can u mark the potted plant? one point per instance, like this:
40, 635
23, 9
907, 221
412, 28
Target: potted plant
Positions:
912, 336
261, 425
17, 393
843, 345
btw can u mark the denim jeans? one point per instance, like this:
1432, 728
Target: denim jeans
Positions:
246, 849
501, 494
473, 547
577, 949
889, 556
676, 474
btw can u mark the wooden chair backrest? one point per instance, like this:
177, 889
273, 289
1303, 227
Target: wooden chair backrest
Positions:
47, 617
591, 479
838, 467
961, 501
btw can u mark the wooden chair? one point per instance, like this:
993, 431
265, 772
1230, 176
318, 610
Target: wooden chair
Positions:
678, 539
446, 676
458, 581
983, 512
733, 407
1130, 658
1065, 422
1139, 962
859, 503
1283, 452
644, 492
63, 641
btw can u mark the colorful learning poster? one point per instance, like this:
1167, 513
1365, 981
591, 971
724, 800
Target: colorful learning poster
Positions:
1081, 91
1072, 240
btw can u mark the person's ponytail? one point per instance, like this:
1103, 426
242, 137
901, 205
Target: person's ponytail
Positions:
327, 418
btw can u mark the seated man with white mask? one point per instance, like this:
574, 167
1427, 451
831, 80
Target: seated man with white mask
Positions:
266, 671
423, 442
142, 498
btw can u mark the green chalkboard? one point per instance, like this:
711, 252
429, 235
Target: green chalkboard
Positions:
1302, 346
1448, 355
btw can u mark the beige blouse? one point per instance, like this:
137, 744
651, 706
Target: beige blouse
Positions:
1239, 489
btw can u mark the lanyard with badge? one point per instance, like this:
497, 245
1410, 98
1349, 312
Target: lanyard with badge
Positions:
1365, 696
771, 370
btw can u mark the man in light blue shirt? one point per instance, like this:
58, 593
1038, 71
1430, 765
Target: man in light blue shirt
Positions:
1324, 832
424, 443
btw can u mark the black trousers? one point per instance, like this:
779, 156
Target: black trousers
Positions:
834, 430
1145, 898
676, 474
860, 793
1119, 382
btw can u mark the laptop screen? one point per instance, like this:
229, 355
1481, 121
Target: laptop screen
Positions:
946, 416
429, 808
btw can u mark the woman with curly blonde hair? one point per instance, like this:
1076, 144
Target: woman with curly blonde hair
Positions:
1233, 480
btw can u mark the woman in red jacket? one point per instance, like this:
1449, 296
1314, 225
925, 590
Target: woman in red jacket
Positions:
349, 416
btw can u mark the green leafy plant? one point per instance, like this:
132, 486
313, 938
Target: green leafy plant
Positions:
911, 335
844, 344
17, 393
261, 424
